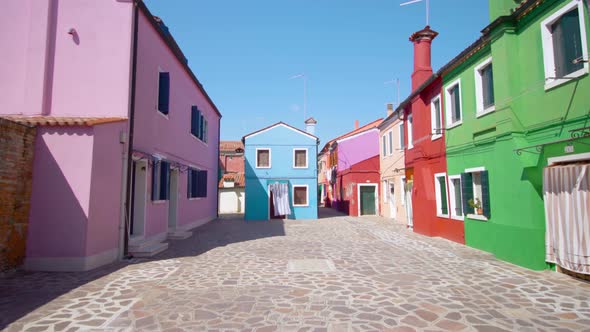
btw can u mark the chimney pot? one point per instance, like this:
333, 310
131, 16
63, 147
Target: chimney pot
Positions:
389, 109
356, 124
422, 41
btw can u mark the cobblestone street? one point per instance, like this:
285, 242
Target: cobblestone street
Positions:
336, 274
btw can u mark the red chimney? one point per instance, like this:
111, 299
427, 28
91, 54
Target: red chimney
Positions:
356, 124
422, 52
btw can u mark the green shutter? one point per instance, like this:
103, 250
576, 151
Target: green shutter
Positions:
567, 43
443, 195
485, 193
467, 192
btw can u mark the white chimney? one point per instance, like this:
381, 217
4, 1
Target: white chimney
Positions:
310, 126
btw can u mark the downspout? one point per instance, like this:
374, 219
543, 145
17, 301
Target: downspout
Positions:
129, 155
218, 154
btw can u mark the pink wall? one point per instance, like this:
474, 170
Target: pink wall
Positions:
169, 136
105, 192
358, 148
60, 196
44, 59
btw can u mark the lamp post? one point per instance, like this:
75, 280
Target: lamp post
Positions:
304, 92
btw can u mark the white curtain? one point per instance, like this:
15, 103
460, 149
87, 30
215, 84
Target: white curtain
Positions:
280, 194
567, 210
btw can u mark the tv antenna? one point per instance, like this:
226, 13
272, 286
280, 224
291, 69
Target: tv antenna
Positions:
427, 8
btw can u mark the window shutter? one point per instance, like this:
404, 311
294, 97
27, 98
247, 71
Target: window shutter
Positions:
201, 125
154, 179
164, 170
189, 182
456, 103
205, 131
467, 192
443, 195
487, 77
485, 193
194, 120
168, 171
164, 92
202, 189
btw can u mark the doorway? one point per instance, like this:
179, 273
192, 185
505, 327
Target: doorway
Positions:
367, 199
408, 195
272, 208
173, 203
138, 198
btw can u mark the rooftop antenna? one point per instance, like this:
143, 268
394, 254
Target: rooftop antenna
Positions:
396, 81
427, 8
304, 92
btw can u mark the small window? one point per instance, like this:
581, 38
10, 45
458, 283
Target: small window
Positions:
300, 197
262, 158
484, 87
197, 183
410, 131
300, 158
564, 44
402, 141
455, 197
475, 193
453, 102
160, 180
390, 142
384, 145
164, 92
199, 124
436, 118
440, 182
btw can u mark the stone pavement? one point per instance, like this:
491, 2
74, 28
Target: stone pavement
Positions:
335, 274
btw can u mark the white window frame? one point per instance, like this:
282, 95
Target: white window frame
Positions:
390, 142
306, 158
548, 52
436, 135
452, 205
306, 193
438, 192
400, 128
157, 106
480, 111
410, 129
384, 145
402, 180
470, 215
448, 112
269, 157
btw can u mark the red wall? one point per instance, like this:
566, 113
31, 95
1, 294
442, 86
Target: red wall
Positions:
425, 159
232, 164
366, 171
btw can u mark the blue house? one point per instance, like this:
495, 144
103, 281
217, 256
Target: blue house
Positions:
281, 172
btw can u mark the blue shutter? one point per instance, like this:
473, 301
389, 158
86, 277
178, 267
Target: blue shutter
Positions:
164, 92
201, 126
164, 179
485, 193
194, 120
467, 192
189, 181
167, 181
202, 189
154, 179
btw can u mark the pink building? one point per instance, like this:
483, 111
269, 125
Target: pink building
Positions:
126, 154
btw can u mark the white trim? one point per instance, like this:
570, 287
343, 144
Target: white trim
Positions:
475, 169
282, 125
403, 189
410, 129
383, 146
390, 142
434, 134
70, 264
438, 193
574, 157
477, 217
293, 194
384, 191
547, 41
401, 137
269, 158
357, 135
479, 110
448, 112
452, 206
358, 189
306, 158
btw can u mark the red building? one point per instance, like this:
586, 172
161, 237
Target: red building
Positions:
425, 156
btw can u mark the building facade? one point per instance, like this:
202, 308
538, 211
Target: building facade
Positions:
232, 195
281, 173
111, 103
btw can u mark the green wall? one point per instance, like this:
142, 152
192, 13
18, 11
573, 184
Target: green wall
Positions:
526, 115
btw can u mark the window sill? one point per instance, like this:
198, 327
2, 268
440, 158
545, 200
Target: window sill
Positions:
453, 125
159, 201
487, 111
457, 218
163, 114
553, 83
198, 139
195, 198
258, 167
435, 137
306, 167
307, 205
477, 217
442, 215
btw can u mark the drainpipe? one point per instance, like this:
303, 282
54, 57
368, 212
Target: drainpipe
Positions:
128, 158
218, 154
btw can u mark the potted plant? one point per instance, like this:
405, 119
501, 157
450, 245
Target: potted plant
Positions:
476, 205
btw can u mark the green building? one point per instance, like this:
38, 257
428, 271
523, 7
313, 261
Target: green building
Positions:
516, 101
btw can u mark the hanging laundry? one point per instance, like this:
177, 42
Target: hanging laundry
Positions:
280, 194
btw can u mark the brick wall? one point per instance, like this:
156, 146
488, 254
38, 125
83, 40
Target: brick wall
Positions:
16, 172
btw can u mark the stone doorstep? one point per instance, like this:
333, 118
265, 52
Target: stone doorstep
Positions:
177, 234
146, 248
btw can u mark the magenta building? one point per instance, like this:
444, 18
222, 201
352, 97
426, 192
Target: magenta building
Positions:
126, 153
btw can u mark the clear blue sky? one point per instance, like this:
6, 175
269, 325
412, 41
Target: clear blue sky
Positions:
244, 52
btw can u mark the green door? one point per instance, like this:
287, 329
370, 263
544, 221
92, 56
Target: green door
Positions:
368, 201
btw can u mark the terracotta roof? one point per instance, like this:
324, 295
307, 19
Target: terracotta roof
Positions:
238, 179
230, 145
42, 120
366, 127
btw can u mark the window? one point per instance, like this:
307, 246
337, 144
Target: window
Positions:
163, 92
455, 197
475, 192
160, 180
262, 158
384, 145
436, 118
484, 87
402, 142
390, 142
564, 41
199, 124
300, 158
410, 132
440, 183
197, 183
453, 104
300, 197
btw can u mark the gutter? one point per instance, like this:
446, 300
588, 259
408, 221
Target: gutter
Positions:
217, 169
